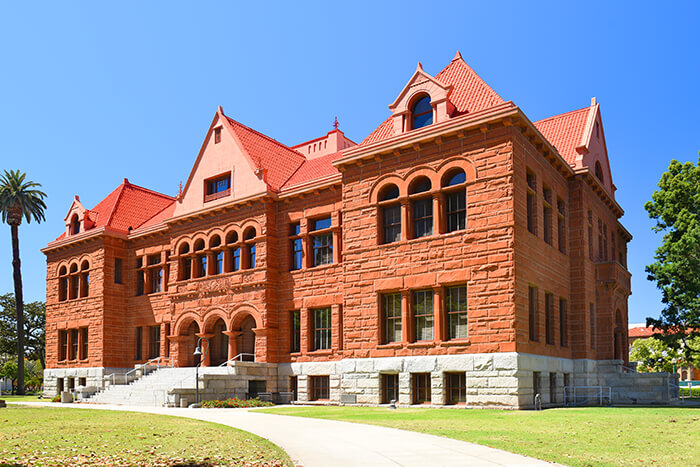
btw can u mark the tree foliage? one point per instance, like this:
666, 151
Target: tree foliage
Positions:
675, 206
34, 328
654, 355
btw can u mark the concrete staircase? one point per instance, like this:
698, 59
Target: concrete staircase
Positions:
150, 390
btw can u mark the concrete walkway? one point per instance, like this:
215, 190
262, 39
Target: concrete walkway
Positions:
313, 442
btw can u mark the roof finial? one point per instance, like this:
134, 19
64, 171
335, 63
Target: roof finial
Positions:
458, 56
419, 66
179, 193
126, 181
335, 123
594, 101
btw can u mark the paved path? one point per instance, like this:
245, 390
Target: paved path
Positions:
314, 442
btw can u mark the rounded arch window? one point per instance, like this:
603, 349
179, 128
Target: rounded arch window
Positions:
454, 177
421, 113
74, 268
74, 225
63, 284
63, 271
389, 192
199, 245
231, 237
184, 248
215, 241
598, 171
85, 265
420, 185
249, 233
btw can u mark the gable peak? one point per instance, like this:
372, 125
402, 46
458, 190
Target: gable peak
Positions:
458, 56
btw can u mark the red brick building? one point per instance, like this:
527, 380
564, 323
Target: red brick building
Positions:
459, 253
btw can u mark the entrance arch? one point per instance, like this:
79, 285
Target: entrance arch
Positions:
246, 339
219, 343
189, 343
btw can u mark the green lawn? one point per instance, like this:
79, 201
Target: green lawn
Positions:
64, 436
22, 398
571, 436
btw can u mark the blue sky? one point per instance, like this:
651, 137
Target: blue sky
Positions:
92, 92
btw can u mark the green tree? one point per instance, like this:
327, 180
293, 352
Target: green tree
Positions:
653, 355
34, 328
675, 207
9, 370
19, 198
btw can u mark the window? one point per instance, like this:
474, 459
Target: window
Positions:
390, 387
422, 217
295, 327
532, 305
391, 220
296, 247
391, 317
139, 282
218, 262
62, 345
421, 113
118, 270
421, 388
322, 328
83, 343
82, 382
591, 319
217, 187
456, 388
552, 388
531, 203
456, 306
74, 282
62, 284
155, 279
139, 343
74, 225
423, 314
548, 318
252, 250
601, 251
84, 279
563, 323
153, 341
73, 344
599, 171
561, 225
322, 243
236, 259
605, 242
456, 210
201, 265
590, 235
294, 387
547, 215
320, 388
185, 270
217, 135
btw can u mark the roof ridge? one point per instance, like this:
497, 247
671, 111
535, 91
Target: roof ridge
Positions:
563, 114
154, 215
116, 202
458, 58
269, 138
148, 190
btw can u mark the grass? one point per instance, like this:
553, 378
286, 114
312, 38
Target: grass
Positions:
32, 397
572, 436
63, 436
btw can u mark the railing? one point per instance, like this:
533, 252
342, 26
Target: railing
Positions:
629, 369
130, 375
587, 395
239, 358
688, 386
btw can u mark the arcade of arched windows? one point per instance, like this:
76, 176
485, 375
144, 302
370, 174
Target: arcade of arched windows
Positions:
74, 280
219, 251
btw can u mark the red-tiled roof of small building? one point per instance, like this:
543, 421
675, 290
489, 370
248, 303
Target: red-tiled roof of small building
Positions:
279, 161
565, 132
314, 169
641, 332
469, 94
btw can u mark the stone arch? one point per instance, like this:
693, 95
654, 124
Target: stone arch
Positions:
216, 232
458, 162
381, 182
424, 171
212, 315
239, 313
183, 241
184, 320
233, 235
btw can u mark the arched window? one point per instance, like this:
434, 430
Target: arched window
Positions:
421, 207
84, 279
74, 282
598, 171
74, 225
250, 248
455, 200
200, 259
217, 256
185, 262
233, 260
390, 212
62, 284
421, 113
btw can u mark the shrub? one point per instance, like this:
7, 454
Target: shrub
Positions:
235, 403
695, 393
56, 399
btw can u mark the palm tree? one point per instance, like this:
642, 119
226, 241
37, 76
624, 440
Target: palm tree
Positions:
19, 199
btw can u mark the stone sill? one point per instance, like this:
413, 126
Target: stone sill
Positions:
414, 345
391, 345
456, 342
312, 268
416, 240
323, 353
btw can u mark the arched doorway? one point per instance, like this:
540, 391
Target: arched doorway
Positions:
246, 340
189, 344
219, 343
619, 338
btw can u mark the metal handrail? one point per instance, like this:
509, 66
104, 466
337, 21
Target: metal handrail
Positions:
140, 366
236, 358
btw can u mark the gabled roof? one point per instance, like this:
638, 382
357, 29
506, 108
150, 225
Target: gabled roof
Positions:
128, 206
566, 132
469, 94
314, 169
277, 160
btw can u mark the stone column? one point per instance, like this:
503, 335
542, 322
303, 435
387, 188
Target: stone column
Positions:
206, 351
232, 343
406, 217
439, 315
406, 324
437, 214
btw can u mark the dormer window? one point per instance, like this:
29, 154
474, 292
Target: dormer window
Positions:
217, 187
598, 171
421, 113
74, 225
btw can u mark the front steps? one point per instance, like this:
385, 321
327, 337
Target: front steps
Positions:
150, 390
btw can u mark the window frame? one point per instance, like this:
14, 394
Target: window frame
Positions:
212, 191
420, 98
456, 381
295, 331
458, 313
426, 320
395, 321
324, 248
390, 387
531, 205
420, 393
549, 318
322, 328
320, 388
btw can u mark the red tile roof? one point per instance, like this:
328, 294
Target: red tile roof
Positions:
565, 132
469, 94
640, 332
279, 161
166, 213
314, 169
